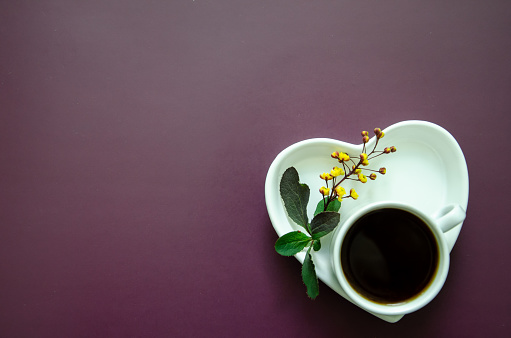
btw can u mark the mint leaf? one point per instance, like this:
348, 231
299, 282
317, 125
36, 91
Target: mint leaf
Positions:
292, 243
323, 223
295, 196
335, 205
309, 276
316, 245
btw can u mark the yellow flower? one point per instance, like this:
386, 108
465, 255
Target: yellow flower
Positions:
343, 157
340, 191
339, 198
363, 159
335, 154
362, 178
326, 176
336, 172
353, 194
324, 191
356, 171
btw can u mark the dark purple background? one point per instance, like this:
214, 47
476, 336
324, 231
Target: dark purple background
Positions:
135, 137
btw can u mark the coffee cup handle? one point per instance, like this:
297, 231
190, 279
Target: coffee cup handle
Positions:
450, 216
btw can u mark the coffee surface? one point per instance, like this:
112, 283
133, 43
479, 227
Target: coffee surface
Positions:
389, 256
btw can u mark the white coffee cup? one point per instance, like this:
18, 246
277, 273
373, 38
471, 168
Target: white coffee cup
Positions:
439, 223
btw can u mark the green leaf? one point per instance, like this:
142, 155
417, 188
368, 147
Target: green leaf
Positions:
309, 276
295, 196
316, 245
335, 205
292, 243
323, 223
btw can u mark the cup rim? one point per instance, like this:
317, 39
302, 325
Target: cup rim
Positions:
406, 307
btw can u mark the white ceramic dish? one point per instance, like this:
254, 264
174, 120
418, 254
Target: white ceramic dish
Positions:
428, 171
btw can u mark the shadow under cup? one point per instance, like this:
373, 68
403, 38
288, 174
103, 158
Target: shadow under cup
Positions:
390, 258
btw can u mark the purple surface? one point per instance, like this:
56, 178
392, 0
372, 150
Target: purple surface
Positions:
135, 137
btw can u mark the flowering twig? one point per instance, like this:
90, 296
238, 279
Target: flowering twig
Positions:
326, 217
338, 175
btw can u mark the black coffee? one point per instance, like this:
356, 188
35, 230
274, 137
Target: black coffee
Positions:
389, 256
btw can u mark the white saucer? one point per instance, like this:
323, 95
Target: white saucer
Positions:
428, 171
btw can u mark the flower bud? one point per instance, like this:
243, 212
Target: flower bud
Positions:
393, 149
324, 191
336, 172
340, 191
365, 133
325, 176
372, 176
362, 178
363, 159
335, 154
365, 139
383, 170
343, 157
380, 135
386, 150
377, 131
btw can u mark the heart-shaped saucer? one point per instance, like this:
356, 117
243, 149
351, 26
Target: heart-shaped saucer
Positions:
428, 171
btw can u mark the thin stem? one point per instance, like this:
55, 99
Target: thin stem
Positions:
376, 171
346, 169
375, 156
376, 144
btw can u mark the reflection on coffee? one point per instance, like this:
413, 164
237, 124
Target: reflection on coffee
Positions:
389, 256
